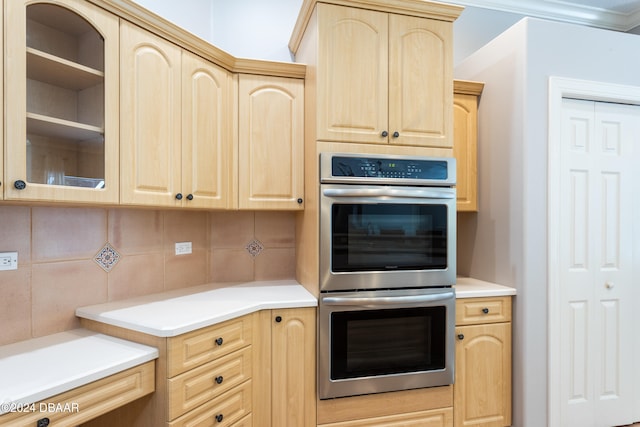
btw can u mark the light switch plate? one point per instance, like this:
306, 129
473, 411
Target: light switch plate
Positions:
8, 261
183, 248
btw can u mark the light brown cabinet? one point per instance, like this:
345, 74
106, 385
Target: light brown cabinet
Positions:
90, 400
285, 391
430, 407
61, 118
482, 389
271, 142
176, 136
257, 369
382, 78
465, 142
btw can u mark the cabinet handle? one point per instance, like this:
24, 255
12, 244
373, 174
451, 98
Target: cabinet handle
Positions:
20, 184
219, 418
460, 336
278, 319
300, 201
219, 379
179, 196
384, 134
396, 134
42, 422
219, 341
189, 196
485, 310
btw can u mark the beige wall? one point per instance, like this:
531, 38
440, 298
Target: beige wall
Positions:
57, 246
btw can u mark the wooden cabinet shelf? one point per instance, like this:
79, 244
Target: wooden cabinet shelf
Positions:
39, 124
60, 72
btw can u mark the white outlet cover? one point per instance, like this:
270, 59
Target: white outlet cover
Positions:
8, 261
183, 248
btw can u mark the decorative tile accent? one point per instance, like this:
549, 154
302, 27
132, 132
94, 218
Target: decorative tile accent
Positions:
107, 258
254, 248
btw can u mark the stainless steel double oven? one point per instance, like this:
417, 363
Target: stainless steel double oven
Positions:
387, 266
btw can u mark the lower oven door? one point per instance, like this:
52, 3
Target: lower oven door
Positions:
386, 340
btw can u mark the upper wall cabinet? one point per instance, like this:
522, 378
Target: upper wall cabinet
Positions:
176, 135
465, 145
61, 71
383, 78
271, 142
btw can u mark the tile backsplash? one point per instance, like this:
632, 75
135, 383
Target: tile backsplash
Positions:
58, 271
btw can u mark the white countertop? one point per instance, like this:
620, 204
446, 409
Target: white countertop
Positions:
173, 313
39, 368
467, 287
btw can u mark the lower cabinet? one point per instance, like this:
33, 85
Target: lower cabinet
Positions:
254, 370
482, 389
424, 407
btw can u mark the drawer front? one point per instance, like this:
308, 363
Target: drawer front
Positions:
433, 418
191, 389
473, 311
195, 348
223, 411
89, 401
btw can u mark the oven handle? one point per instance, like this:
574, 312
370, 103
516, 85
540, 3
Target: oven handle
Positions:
413, 193
404, 300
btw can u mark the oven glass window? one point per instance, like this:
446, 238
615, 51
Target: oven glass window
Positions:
385, 342
383, 237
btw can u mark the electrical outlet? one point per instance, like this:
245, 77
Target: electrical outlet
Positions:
8, 260
183, 248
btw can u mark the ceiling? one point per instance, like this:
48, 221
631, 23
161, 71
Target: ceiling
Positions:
619, 15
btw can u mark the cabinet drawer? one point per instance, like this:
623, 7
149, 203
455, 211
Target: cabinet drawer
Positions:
199, 385
433, 418
195, 348
228, 408
472, 311
89, 401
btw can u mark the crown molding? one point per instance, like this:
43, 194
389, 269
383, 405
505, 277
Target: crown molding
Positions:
562, 11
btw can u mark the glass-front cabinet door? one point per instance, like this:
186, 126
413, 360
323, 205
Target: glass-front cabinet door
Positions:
61, 71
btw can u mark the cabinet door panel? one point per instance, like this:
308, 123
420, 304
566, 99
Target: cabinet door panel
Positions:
293, 385
271, 117
482, 395
150, 118
465, 120
61, 115
206, 133
420, 81
352, 75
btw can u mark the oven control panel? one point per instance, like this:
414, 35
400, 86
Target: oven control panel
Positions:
394, 168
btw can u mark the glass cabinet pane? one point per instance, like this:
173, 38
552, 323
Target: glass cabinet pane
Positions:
65, 99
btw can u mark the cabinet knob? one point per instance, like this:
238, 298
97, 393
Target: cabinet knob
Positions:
20, 184
278, 319
300, 201
485, 310
179, 196
219, 341
189, 196
219, 379
460, 336
609, 285
396, 134
384, 134
219, 418
42, 422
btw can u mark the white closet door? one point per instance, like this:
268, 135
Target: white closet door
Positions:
596, 262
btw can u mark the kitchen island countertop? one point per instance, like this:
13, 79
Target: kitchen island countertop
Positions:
173, 313
467, 287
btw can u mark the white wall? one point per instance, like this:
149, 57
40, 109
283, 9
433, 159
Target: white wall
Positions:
506, 241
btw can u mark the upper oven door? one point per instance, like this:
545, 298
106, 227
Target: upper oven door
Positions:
374, 237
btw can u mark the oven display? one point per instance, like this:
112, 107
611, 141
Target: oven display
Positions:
385, 342
384, 237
